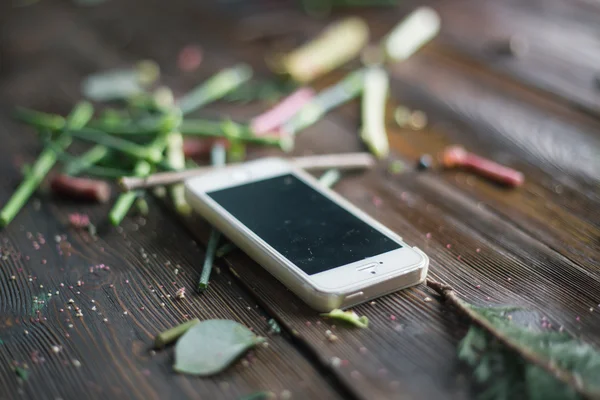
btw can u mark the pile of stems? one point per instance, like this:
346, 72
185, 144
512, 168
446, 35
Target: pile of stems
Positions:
78, 118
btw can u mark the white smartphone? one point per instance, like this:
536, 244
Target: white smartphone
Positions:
320, 246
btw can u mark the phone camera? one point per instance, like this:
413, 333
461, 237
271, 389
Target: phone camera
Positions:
373, 272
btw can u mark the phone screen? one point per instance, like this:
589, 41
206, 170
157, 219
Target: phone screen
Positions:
306, 227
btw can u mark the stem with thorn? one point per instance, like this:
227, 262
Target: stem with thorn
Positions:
564, 376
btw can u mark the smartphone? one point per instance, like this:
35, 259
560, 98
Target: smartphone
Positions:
319, 245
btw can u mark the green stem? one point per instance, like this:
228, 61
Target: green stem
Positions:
332, 97
142, 168
215, 87
176, 160
211, 247
148, 153
126, 200
171, 335
80, 115
142, 206
330, 177
229, 130
40, 120
373, 131
86, 160
225, 250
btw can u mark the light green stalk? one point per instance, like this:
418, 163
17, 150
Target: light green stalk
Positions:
373, 111
86, 160
149, 153
215, 88
126, 200
211, 247
176, 160
78, 118
142, 168
334, 96
330, 177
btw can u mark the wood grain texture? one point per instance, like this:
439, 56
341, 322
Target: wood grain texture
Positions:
149, 260
563, 43
536, 247
115, 355
560, 159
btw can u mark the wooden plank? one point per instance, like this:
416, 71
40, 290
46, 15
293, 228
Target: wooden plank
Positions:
412, 354
408, 351
562, 39
149, 259
559, 158
115, 354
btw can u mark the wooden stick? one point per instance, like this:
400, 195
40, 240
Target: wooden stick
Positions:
348, 161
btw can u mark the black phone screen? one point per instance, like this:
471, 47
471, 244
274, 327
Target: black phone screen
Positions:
303, 225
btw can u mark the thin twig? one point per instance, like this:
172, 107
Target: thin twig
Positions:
347, 161
448, 293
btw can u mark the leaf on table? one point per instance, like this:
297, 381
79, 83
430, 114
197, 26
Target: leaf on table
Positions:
112, 85
505, 375
211, 346
348, 316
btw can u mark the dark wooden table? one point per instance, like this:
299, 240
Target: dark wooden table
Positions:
537, 246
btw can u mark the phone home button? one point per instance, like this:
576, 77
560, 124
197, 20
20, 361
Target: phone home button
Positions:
367, 268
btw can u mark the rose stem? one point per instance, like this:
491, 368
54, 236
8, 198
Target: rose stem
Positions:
148, 153
345, 90
141, 169
215, 88
78, 118
229, 130
373, 111
213, 241
171, 335
86, 160
176, 159
449, 295
225, 250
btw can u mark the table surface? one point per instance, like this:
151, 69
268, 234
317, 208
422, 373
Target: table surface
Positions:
536, 246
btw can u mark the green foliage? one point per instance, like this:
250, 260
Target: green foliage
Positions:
211, 346
504, 374
348, 316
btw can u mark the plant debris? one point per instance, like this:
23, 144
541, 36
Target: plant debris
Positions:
337, 44
171, 335
556, 365
211, 346
348, 316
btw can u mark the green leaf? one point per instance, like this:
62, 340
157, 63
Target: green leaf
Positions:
503, 374
211, 346
348, 316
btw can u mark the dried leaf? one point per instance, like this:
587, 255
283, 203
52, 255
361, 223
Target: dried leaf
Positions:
211, 346
348, 316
